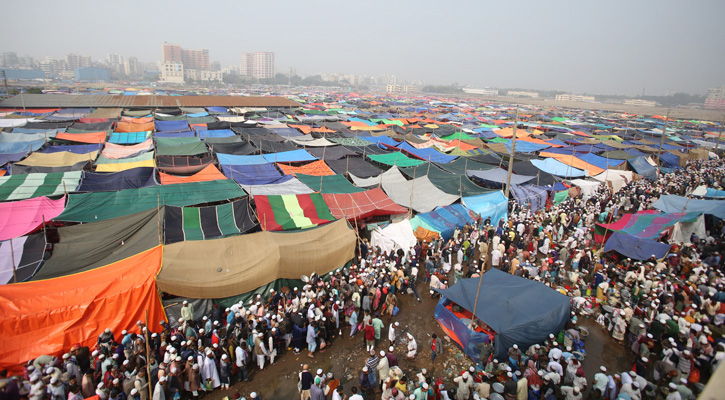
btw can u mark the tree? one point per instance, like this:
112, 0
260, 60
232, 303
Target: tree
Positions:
34, 90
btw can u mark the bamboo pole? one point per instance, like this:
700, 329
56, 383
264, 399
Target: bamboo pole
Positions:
511, 154
148, 356
12, 255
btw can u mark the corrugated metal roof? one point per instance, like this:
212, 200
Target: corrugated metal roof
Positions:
101, 101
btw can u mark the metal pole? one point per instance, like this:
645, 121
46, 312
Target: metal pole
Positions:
719, 136
662, 141
511, 154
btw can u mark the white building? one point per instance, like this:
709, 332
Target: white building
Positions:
573, 97
400, 88
172, 72
202, 75
640, 102
519, 93
483, 92
259, 65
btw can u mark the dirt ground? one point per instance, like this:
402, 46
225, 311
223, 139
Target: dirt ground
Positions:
346, 356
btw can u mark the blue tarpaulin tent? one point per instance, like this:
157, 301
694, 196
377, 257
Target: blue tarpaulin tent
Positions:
443, 220
634, 247
519, 311
642, 167
675, 204
558, 168
493, 205
531, 195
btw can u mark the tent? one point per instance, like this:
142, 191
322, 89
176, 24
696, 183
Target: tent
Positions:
354, 165
518, 310
398, 235
315, 168
420, 194
395, 159
183, 164
672, 204
615, 178
492, 205
18, 187
642, 167
18, 218
329, 184
201, 223
451, 183
533, 196
635, 247
60, 159
231, 266
443, 220
129, 179
116, 151
285, 212
21, 257
558, 168
498, 176
144, 160
47, 317
361, 205
209, 173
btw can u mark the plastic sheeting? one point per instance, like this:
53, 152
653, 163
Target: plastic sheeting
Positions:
499, 176
361, 205
616, 179
20, 257
420, 194
202, 223
18, 218
232, 266
530, 195
519, 310
60, 159
18, 187
454, 184
398, 235
642, 167
209, 173
354, 165
116, 151
558, 168
173, 306
329, 184
254, 174
130, 179
634, 247
99, 206
682, 231
676, 204
87, 246
115, 165
286, 212
46, 317
286, 185
588, 188
443, 220
397, 158
492, 205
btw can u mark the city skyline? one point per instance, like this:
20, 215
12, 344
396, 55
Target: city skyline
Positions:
567, 46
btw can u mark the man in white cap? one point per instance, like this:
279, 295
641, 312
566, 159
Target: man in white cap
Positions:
187, 311
209, 371
392, 332
160, 389
56, 389
412, 347
465, 385
601, 380
672, 392
632, 389
383, 369
571, 393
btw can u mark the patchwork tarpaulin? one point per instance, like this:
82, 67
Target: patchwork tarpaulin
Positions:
201, 223
642, 167
533, 196
20, 257
116, 151
99, 206
129, 179
420, 194
672, 203
361, 205
329, 184
492, 205
235, 265
648, 224
520, 311
209, 173
635, 247
443, 220
315, 168
286, 212
450, 183
84, 247
60, 159
18, 187
47, 317
18, 218
115, 165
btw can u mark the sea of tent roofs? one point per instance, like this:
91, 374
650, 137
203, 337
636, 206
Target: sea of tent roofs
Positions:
87, 188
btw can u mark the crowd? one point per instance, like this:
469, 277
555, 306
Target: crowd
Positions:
667, 313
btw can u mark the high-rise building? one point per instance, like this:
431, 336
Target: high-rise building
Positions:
74, 61
259, 65
192, 59
715, 98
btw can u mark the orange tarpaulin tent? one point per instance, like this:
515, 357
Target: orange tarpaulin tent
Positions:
88, 137
574, 162
142, 120
134, 127
316, 168
209, 173
50, 316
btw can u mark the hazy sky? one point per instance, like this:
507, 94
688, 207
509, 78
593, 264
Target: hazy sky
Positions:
606, 47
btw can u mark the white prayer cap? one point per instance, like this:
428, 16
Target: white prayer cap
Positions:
603, 368
162, 379
319, 371
124, 332
100, 385
66, 356
134, 392
116, 381
185, 302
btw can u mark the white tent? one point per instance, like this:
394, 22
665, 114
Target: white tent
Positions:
618, 179
398, 235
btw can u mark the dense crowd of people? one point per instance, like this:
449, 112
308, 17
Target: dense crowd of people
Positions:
667, 313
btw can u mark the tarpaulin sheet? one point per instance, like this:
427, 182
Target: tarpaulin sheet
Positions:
601, 162
257, 174
12, 157
18, 218
361, 205
21, 257
203, 133
560, 196
89, 137
173, 306
209, 173
315, 168
88, 246
48, 317
17, 147
530, 195
183, 164
285, 185
201, 223
328, 184
18, 187
99, 206
420, 194
279, 147
186, 149
670, 160
60, 159
450, 183
182, 134
238, 148
128, 138
635, 247
354, 165
492, 205
17, 169
558, 168
290, 156
141, 157
675, 204
647, 225
443, 220
93, 126
129, 179
231, 159
521, 311
117, 151
331, 152
616, 178
26, 137
287, 212
235, 265
427, 154
122, 126
461, 164
172, 126
499, 176
74, 148
642, 167
395, 159
575, 162
398, 235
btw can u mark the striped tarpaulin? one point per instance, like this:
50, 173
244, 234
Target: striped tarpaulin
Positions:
285, 212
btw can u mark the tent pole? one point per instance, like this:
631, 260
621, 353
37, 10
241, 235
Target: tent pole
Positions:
412, 189
148, 354
12, 255
662, 141
511, 154
719, 136
475, 304
158, 217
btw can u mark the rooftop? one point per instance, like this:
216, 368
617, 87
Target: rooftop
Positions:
100, 101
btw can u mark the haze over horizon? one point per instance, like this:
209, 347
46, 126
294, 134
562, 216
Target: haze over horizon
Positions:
615, 47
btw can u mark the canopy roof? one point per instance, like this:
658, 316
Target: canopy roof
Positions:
361, 205
635, 247
18, 218
202, 223
287, 212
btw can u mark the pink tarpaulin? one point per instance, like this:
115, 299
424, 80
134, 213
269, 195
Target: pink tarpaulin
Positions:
20, 217
118, 151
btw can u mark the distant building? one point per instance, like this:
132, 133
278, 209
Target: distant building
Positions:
640, 102
483, 92
192, 59
400, 88
74, 61
259, 65
202, 75
172, 72
24, 74
715, 99
519, 93
91, 74
573, 97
